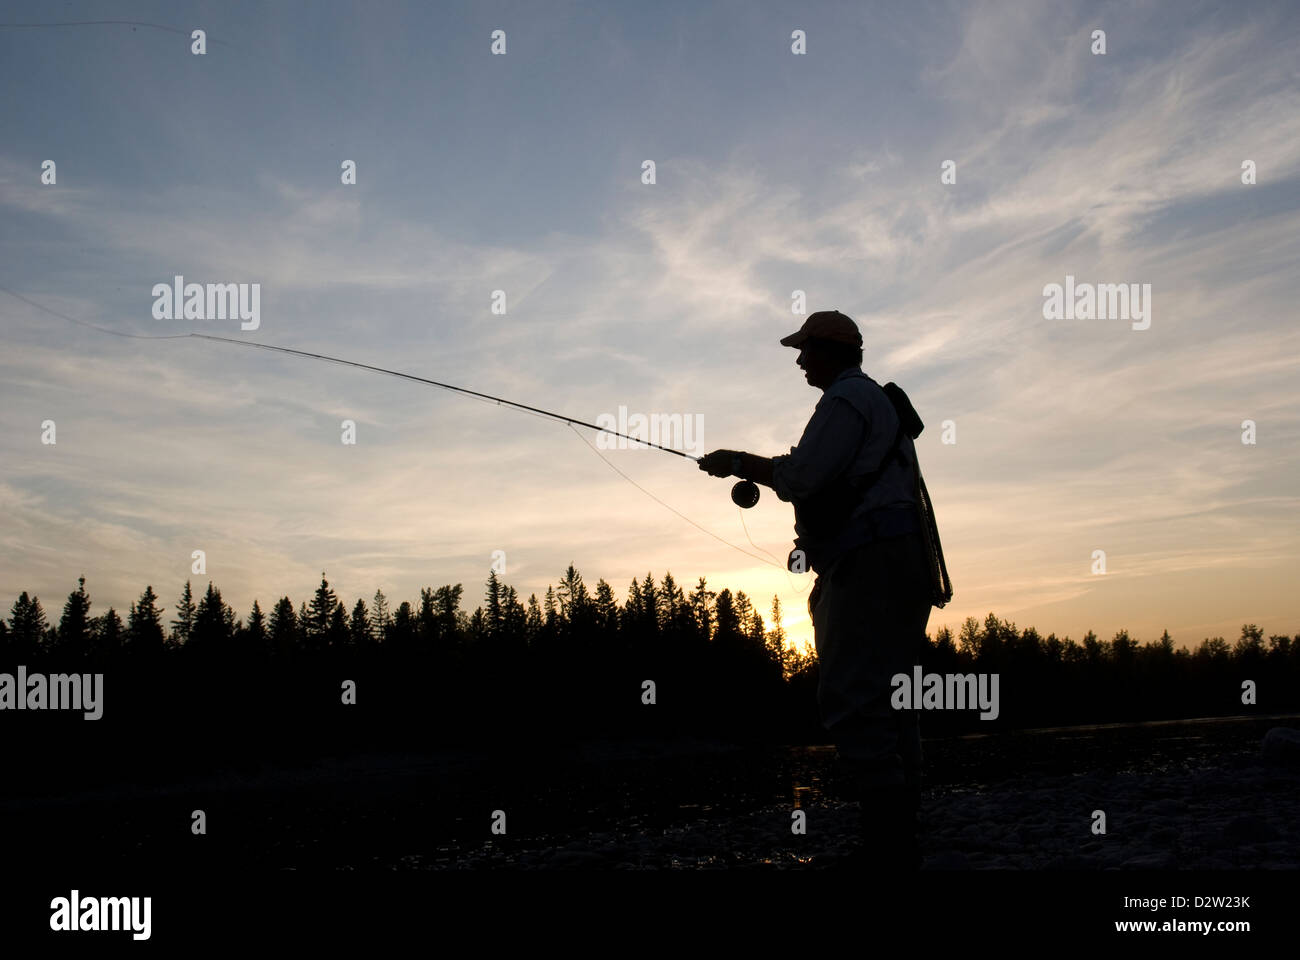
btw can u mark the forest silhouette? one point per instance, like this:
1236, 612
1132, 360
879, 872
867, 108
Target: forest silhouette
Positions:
199, 685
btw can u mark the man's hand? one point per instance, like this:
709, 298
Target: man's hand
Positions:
717, 463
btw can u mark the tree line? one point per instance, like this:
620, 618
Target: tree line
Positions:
581, 655
568, 615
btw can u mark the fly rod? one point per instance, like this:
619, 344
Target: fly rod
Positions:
446, 386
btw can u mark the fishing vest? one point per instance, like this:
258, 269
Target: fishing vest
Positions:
832, 529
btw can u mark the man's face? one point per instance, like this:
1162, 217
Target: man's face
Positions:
818, 367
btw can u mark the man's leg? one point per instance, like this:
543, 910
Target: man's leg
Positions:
909, 721
869, 623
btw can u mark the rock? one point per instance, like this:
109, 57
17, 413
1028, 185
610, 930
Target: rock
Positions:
947, 860
1248, 829
1071, 861
1167, 807
577, 859
1282, 746
1150, 861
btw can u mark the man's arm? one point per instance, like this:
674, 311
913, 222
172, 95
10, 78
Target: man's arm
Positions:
756, 468
828, 446
735, 463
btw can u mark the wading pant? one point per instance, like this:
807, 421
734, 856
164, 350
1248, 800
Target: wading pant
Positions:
869, 612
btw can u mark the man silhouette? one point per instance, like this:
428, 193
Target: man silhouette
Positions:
857, 526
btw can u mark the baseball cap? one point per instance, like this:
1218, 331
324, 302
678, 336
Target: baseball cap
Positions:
825, 325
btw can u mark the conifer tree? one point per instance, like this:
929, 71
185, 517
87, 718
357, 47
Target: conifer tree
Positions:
284, 628
495, 616
213, 625
381, 620
185, 613
256, 639
632, 607
776, 636
320, 613
74, 627
404, 627
606, 607
359, 627
533, 620
649, 603
107, 633
337, 635
515, 620
728, 625
28, 627
702, 600
146, 637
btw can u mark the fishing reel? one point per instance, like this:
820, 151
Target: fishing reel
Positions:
745, 494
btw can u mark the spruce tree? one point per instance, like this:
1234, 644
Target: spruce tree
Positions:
495, 617
185, 613
382, 619
725, 612
284, 628
550, 607
701, 600
533, 620
776, 636
1166, 643
322, 610
27, 626
631, 613
74, 627
338, 635
107, 634
670, 596
146, 637
515, 620
256, 639
359, 631
573, 597
606, 608
213, 626
404, 627
649, 603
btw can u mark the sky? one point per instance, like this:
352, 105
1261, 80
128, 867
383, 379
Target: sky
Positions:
774, 172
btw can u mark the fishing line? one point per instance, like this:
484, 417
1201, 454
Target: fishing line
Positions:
666, 506
353, 363
744, 526
92, 326
484, 397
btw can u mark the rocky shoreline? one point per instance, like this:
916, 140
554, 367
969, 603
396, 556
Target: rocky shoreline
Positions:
1188, 795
